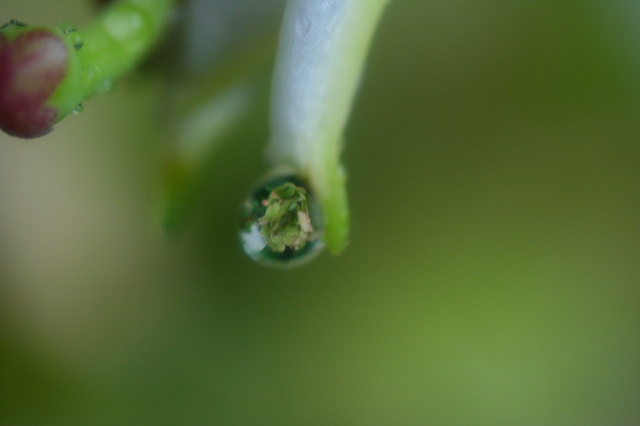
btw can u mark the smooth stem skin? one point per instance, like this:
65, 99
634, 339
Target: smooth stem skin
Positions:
322, 49
46, 72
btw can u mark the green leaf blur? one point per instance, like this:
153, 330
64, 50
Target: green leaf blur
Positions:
493, 271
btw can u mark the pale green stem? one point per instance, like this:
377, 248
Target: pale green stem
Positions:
321, 53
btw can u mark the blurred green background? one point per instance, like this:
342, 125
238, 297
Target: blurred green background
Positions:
493, 276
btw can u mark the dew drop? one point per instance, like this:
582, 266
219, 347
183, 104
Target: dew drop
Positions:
68, 29
73, 35
106, 86
281, 223
302, 26
78, 109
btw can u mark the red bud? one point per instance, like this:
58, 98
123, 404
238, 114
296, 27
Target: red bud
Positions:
31, 67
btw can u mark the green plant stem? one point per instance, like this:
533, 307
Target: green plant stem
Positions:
110, 46
322, 49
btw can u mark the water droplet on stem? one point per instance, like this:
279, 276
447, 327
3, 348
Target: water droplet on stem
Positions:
281, 223
106, 86
74, 37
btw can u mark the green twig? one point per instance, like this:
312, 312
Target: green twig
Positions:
89, 61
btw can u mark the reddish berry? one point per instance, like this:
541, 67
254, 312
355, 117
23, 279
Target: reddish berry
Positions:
31, 67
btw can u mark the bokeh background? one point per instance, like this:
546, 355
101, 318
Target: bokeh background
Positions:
493, 275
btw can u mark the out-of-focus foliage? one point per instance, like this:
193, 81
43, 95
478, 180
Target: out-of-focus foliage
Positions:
492, 276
